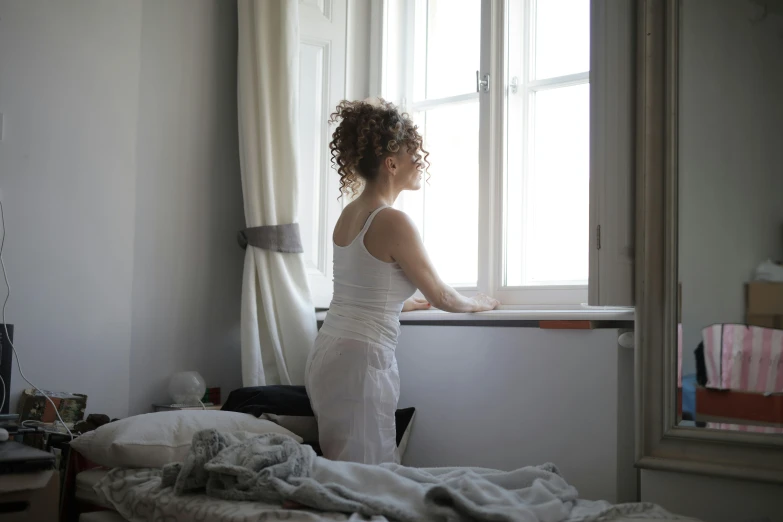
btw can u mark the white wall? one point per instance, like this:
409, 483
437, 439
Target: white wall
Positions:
188, 266
731, 215
69, 94
120, 183
713, 499
506, 397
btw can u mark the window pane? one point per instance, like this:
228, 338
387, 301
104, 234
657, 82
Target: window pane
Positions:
562, 37
311, 152
453, 40
450, 219
548, 237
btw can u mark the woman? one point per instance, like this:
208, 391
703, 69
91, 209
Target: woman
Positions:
379, 262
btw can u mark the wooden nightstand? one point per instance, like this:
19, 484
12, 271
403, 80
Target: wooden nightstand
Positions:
41, 504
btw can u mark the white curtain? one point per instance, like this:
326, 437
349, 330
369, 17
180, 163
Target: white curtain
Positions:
278, 317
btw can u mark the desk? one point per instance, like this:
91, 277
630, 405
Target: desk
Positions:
39, 505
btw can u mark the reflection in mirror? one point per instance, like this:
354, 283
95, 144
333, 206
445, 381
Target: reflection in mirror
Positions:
730, 171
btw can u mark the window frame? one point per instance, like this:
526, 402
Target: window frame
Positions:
407, 102
613, 99
552, 292
323, 26
492, 134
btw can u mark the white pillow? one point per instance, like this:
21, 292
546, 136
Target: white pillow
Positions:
152, 440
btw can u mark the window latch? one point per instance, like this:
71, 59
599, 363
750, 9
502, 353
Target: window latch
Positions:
482, 82
514, 85
598, 237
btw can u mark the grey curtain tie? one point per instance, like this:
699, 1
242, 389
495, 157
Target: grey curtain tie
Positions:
277, 238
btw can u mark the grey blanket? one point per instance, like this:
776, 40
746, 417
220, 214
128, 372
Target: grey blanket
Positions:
275, 467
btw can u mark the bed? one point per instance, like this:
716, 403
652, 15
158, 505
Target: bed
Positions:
126, 471
135, 495
83, 503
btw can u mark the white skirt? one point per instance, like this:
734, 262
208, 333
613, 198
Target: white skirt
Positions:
354, 387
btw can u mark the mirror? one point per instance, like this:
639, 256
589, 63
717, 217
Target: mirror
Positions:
709, 156
729, 164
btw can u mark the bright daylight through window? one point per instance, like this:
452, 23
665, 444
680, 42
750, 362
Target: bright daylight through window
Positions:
437, 52
500, 89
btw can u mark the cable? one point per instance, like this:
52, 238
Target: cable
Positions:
202, 405
5, 327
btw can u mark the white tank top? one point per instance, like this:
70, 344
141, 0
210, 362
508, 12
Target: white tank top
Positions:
368, 294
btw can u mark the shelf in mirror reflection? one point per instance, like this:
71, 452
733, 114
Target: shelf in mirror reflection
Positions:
734, 410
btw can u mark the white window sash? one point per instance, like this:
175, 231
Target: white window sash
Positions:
554, 292
397, 86
325, 30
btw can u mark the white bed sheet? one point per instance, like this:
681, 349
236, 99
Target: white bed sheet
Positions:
137, 496
85, 483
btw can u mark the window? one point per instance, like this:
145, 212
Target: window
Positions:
528, 169
441, 96
546, 187
509, 220
322, 72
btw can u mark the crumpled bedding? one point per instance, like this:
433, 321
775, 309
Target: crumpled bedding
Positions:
270, 469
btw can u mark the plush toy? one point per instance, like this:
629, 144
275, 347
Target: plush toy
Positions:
92, 422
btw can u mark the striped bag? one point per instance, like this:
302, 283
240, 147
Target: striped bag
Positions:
745, 358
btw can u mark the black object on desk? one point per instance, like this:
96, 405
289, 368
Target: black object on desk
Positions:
5, 362
18, 458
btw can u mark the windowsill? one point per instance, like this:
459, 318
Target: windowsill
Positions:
517, 314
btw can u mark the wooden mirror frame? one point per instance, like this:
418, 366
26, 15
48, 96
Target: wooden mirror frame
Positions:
660, 443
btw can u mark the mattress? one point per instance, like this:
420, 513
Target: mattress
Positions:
84, 487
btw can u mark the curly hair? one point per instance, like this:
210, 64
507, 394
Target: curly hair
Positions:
366, 134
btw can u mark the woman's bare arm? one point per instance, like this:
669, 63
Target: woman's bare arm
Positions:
407, 249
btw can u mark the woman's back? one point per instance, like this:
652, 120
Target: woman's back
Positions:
368, 292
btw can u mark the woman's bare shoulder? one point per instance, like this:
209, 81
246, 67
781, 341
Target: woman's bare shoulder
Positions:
395, 222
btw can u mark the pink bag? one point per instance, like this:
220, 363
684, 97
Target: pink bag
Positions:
746, 358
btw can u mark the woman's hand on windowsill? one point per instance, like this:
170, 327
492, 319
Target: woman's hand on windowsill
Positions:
415, 303
484, 303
